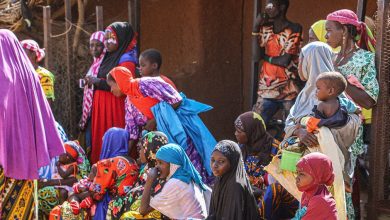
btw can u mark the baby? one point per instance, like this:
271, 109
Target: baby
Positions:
332, 111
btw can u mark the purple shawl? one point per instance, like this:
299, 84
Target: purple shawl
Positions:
28, 135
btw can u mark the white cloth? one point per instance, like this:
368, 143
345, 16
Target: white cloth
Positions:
179, 200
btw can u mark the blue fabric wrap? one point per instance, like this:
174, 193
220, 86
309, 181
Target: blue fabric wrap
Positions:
115, 143
130, 56
172, 153
185, 123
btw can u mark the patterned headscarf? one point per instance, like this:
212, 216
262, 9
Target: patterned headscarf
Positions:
365, 38
33, 46
151, 142
93, 71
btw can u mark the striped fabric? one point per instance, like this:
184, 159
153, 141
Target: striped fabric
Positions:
32, 45
93, 71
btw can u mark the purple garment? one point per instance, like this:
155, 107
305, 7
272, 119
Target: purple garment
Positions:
28, 134
196, 160
154, 87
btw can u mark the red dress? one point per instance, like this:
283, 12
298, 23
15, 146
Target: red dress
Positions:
107, 111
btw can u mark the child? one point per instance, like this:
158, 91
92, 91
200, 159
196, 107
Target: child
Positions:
315, 172
232, 196
332, 111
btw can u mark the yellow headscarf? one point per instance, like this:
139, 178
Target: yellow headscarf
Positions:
320, 32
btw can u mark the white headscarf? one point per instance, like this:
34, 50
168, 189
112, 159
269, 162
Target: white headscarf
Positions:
317, 59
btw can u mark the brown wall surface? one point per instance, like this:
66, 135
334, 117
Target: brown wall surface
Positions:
206, 46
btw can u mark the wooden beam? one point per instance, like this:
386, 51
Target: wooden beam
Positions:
46, 34
361, 9
99, 18
254, 79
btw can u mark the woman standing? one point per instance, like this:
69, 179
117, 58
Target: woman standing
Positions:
356, 61
107, 110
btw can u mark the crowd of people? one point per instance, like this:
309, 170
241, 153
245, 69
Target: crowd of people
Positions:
146, 154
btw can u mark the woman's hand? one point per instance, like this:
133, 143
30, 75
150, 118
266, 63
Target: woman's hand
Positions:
307, 138
90, 80
152, 174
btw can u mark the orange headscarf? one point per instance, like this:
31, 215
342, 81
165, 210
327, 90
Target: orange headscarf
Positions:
71, 151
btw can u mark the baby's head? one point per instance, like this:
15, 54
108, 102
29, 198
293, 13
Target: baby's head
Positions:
150, 62
330, 85
70, 154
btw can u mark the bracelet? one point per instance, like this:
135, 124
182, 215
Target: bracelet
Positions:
59, 182
255, 34
270, 60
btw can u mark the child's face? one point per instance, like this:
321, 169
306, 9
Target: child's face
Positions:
115, 90
64, 158
241, 136
323, 91
146, 67
303, 179
219, 164
163, 168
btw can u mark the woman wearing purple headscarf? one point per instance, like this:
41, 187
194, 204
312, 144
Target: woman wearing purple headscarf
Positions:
28, 134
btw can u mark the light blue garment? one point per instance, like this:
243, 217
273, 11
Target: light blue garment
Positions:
347, 103
183, 123
173, 153
300, 213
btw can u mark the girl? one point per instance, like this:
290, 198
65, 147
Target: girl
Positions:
180, 195
232, 196
107, 110
315, 172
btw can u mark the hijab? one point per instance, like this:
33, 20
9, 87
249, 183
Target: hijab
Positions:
115, 143
93, 71
28, 133
319, 30
317, 59
232, 196
365, 39
125, 36
259, 141
152, 142
185, 170
320, 168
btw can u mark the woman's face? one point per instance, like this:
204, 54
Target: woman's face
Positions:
219, 164
111, 41
241, 136
163, 168
312, 36
115, 90
96, 48
303, 180
334, 34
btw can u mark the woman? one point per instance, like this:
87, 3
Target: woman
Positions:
316, 58
48, 193
150, 143
176, 116
96, 49
28, 134
107, 110
356, 61
317, 32
180, 196
232, 196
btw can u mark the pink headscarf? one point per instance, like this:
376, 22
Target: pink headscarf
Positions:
33, 46
365, 40
93, 71
320, 168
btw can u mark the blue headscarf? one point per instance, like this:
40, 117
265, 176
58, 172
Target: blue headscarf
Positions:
175, 154
115, 143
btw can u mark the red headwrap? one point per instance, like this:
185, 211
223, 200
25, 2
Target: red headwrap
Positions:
71, 151
365, 39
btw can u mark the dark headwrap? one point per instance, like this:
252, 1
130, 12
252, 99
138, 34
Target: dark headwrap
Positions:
232, 196
259, 141
151, 142
124, 34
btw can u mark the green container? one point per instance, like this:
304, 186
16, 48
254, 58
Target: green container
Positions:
289, 160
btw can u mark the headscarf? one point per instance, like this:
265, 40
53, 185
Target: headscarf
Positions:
28, 134
152, 142
186, 172
232, 196
115, 143
71, 151
259, 141
122, 77
365, 38
93, 71
320, 168
33, 46
317, 58
126, 43
83, 165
